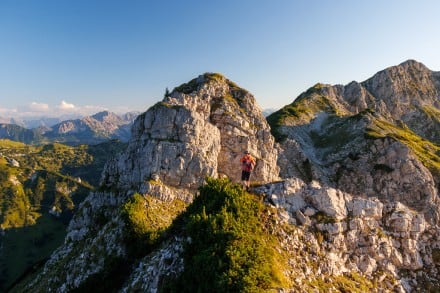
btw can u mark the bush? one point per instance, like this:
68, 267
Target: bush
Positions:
228, 251
147, 218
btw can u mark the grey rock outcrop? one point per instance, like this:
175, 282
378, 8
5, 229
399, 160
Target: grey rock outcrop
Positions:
365, 139
368, 155
364, 235
150, 272
201, 129
95, 236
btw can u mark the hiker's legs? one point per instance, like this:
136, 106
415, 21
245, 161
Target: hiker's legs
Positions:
245, 178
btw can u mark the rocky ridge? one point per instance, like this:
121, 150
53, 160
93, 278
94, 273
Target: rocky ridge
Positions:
357, 200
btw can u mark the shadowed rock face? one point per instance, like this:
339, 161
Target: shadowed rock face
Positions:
201, 129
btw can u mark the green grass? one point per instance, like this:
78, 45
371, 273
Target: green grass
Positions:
338, 135
148, 217
301, 111
46, 178
431, 112
323, 218
352, 282
426, 151
6, 143
188, 87
229, 250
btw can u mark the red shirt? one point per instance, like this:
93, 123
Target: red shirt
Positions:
247, 163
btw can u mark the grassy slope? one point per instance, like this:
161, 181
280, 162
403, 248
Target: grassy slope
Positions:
427, 152
46, 178
230, 250
235, 247
302, 110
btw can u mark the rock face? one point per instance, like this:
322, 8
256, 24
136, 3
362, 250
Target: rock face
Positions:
360, 234
370, 138
358, 194
201, 129
372, 146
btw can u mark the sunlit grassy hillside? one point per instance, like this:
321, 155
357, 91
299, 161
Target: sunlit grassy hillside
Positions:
40, 188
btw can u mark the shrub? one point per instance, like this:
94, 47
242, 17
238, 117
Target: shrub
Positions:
228, 251
147, 218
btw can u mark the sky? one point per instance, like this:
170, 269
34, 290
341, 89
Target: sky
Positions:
84, 56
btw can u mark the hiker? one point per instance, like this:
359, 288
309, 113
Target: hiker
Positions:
247, 165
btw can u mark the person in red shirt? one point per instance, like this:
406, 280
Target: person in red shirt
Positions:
247, 166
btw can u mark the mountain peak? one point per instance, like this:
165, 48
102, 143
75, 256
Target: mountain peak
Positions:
411, 63
411, 67
402, 73
209, 117
207, 78
101, 115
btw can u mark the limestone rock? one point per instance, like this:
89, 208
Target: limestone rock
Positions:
366, 138
363, 234
151, 271
201, 129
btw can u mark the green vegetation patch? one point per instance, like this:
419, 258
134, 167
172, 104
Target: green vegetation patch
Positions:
188, 87
6, 143
339, 133
214, 77
426, 151
432, 112
352, 282
159, 105
229, 250
48, 177
301, 111
148, 217
323, 218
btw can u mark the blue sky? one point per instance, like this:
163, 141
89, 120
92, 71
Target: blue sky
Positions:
59, 56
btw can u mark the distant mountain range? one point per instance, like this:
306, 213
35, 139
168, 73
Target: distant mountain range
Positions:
88, 130
37, 121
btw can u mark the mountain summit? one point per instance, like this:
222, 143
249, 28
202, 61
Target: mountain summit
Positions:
201, 129
359, 137
350, 192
